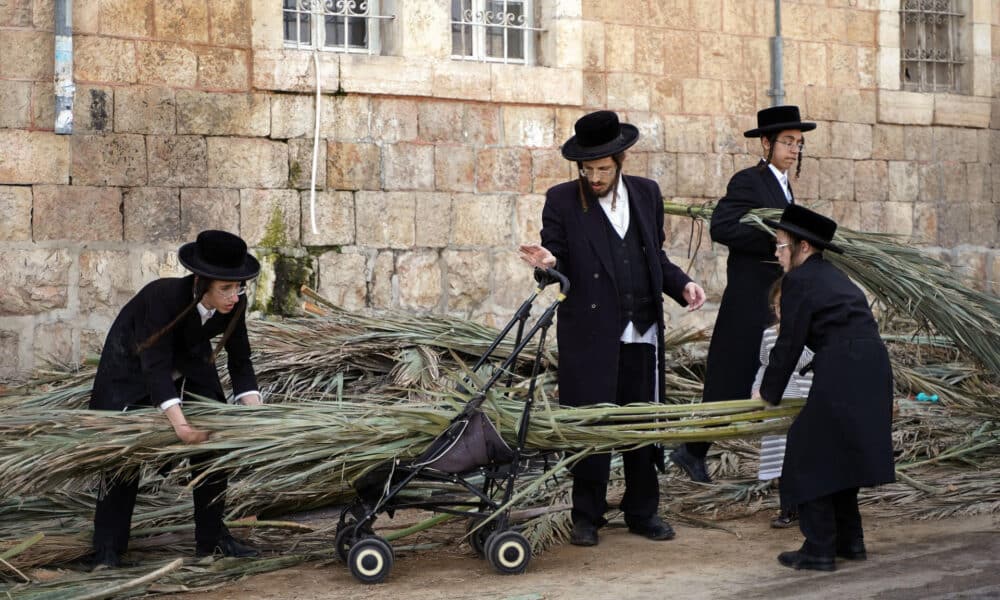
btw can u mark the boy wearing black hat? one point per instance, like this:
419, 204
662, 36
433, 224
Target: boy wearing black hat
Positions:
160, 347
842, 438
605, 232
750, 270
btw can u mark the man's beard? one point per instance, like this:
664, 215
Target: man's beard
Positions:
588, 188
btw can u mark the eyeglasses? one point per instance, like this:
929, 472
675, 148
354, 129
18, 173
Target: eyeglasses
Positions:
781, 246
792, 144
231, 293
591, 173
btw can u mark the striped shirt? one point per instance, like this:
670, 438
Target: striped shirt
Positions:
798, 385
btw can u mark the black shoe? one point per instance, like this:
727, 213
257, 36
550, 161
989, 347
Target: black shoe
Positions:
797, 559
786, 519
853, 551
691, 464
653, 528
106, 558
584, 534
226, 545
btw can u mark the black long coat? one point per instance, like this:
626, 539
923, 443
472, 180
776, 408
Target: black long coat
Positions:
589, 327
126, 378
843, 436
751, 269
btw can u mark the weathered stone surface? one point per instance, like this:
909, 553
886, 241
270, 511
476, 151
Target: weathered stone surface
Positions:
152, 214
104, 59
649, 55
300, 161
955, 144
512, 281
342, 279
408, 167
394, 120
917, 144
925, 223
843, 66
593, 45
954, 182
15, 104
503, 170
528, 215
154, 264
15, 213
806, 186
687, 134
729, 137
142, 109
10, 352
481, 220
246, 162
461, 80
851, 140
984, 219
515, 84
739, 98
870, 181
334, 219
454, 168
291, 70
33, 157
904, 181
77, 213
209, 208
270, 218
419, 275
353, 166
887, 142
177, 160
468, 278
93, 109
165, 63
898, 218
459, 122
857, 106
720, 56
961, 111
979, 186
15, 13
54, 341
125, 18
628, 91
846, 213
663, 169
116, 159
528, 126
182, 20
836, 179
702, 96
638, 163
27, 55
385, 220
389, 75
43, 110
34, 281
384, 280
549, 168
223, 69
954, 224
229, 23
105, 284
931, 185
905, 108
619, 53
433, 219
223, 114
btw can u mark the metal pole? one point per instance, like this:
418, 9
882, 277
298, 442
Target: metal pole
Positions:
777, 91
64, 87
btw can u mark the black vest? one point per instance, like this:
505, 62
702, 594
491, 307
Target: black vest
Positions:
635, 294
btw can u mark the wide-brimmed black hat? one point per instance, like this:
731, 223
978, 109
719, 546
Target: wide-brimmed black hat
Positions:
219, 255
807, 225
599, 134
779, 118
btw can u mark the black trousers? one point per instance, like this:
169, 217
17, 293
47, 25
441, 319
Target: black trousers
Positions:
636, 381
830, 523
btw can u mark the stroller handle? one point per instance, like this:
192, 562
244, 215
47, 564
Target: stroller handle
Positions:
548, 276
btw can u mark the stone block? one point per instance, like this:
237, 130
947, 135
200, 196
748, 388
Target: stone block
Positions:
15, 104
142, 109
850, 140
898, 218
562, 44
342, 279
720, 56
223, 69
15, 13
862, 26
843, 66
887, 142
115, 159
806, 186
905, 108
757, 56
152, 214
177, 160
166, 64
459, 123
43, 109
77, 213
549, 168
28, 55
702, 96
729, 137
595, 90
918, 144
293, 116
739, 98
461, 80
104, 60
125, 18
528, 126
688, 134
515, 84
872, 216
956, 144
182, 21
904, 181
291, 70
300, 162
931, 184
836, 179
870, 181
690, 175
813, 68
407, 166
270, 218
592, 35
383, 281
420, 280
979, 183
10, 354
229, 23
666, 96
467, 273
847, 214
955, 183
15, 213
680, 51
385, 75
857, 106
334, 219
207, 113
352, 166
394, 120
480, 220
718, 169
954, 224
33, 157
925, 223
209, 208
984, 219
385, 219
503, 170
961, 111
821, 103
649, 54
528, 213
619, 48
512, 280
247, 162
662, 168
34, 281
154, 264
53, 342
454, 168
105, 282
433, 219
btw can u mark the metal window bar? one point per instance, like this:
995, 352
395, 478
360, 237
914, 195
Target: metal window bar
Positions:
931, 51
348, 24
482, 30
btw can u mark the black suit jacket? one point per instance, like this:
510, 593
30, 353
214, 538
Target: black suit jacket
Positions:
127, 378
588, 327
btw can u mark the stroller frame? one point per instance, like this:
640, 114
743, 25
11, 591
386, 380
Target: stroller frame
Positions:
370, 557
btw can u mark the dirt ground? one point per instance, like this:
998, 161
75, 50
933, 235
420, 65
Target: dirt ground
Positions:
947, 559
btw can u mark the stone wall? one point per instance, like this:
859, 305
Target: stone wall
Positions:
190, 115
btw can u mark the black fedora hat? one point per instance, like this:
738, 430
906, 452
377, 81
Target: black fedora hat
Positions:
599, 134
219, 255
807, 225
778, 118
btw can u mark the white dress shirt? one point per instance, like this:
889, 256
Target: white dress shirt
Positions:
782, 180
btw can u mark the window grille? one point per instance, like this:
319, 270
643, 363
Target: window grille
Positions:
931, 40
333, 25
493, 31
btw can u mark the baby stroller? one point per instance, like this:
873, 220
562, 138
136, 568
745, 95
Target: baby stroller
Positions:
469, 454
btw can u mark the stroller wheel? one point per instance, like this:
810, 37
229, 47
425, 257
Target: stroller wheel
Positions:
479, 537
370, 560
508, 552
344, 540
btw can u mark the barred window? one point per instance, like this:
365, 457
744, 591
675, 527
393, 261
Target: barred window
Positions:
493, 30
333, 25
932, 42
